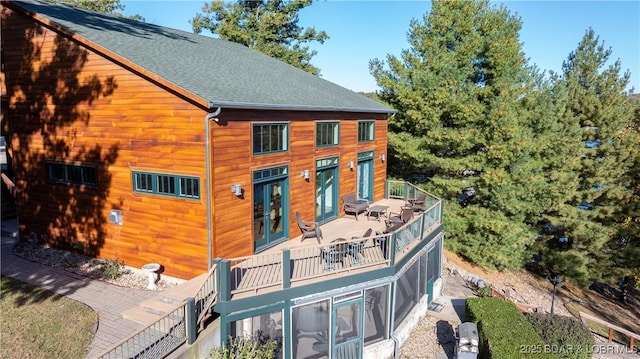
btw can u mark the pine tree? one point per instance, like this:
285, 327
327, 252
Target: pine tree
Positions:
473, 115
587, 247
268, 26
108, 7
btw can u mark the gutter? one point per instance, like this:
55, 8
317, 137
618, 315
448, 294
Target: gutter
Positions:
209, 117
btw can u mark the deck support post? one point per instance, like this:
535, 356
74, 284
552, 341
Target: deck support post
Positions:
286, 268
191, 321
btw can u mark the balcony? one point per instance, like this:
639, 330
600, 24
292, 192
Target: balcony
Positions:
245, 287
342, 252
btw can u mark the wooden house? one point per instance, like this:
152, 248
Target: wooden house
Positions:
142, 143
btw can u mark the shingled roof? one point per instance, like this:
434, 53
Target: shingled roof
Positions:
222, 73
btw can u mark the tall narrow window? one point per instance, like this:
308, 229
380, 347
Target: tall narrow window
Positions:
189, 187
269, 138
327, 134
143, 182
366, 130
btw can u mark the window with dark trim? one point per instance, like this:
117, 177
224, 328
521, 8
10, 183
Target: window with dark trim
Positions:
166, 185
270, 138
366, 130
327, 134
72, 174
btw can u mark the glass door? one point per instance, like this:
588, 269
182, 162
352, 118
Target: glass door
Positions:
326, 189
270, 207
347, 335
365, 175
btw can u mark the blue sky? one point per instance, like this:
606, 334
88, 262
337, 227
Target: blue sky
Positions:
363, 30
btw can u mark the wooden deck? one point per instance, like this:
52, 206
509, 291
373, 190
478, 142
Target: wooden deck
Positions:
342, 251
344, 227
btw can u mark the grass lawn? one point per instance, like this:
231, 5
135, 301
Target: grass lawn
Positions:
37, 323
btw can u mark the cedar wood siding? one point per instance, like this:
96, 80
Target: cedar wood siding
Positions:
74, 105
233, 162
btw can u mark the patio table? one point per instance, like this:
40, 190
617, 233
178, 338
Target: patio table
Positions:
377, 211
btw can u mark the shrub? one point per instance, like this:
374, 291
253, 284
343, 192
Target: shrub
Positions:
110, 269
504, 331
258, 346
568, 335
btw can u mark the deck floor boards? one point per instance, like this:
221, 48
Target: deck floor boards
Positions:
306, 261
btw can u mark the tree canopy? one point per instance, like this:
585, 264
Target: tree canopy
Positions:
593, 245
504, 144
268, 26
108, 7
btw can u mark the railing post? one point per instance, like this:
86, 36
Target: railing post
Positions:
392, 249
422, 224
406, 190
286, 268
386, 189
223, 274
191, 321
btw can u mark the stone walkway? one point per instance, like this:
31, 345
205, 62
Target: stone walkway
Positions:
107, 300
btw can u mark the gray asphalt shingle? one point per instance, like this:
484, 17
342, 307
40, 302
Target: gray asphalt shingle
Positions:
223, 73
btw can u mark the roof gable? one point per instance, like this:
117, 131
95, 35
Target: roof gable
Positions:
222, 73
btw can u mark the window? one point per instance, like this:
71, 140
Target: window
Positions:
270, 138
166, 185
72, 174
327, 134
366, 129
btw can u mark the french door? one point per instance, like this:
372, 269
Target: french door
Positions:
270, 207
326, 189
365, 175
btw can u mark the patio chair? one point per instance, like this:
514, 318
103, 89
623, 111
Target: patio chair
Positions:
351, 204
334, 253
309, 229
397, 220
357, 248
418, 204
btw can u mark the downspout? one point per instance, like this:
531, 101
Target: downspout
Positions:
210, 116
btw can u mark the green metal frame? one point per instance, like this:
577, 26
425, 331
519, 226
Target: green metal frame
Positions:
154, 185
325, 165
260, 152
337, 135
264, 177
361, 136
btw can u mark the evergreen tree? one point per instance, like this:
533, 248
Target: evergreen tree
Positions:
588, 245
108, 7
473, 116
268, 26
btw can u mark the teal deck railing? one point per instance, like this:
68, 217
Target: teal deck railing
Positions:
266, 271
172, 330
157, 340
250, 274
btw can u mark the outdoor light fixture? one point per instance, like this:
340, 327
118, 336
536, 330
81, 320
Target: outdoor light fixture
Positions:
383, 157
305, 174
236, 189
350, 164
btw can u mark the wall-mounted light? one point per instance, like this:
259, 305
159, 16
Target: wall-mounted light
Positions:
236, 189
350, 164
305, 174
383, 157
